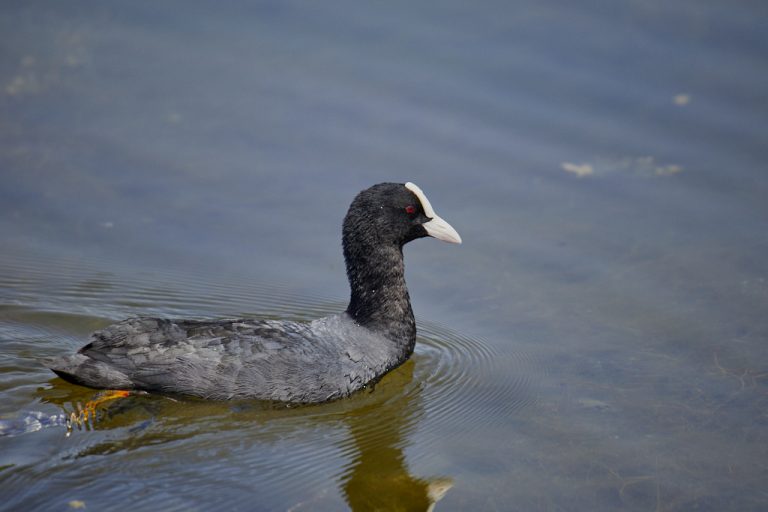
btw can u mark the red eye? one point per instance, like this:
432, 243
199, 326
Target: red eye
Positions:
410, 209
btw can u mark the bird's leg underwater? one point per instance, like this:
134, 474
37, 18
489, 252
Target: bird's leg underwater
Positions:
83, 414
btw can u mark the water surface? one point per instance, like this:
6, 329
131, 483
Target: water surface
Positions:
597, 343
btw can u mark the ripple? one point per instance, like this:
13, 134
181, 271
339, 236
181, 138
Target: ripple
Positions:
86, 287
458, 377
453, 384
466, 380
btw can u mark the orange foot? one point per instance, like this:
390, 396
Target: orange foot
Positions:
81, 417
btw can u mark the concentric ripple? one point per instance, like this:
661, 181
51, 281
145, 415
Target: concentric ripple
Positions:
453, 384
457, 377
466, 378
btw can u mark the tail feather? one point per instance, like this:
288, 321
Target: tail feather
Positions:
84, 371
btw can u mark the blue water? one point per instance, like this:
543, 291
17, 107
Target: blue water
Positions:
597, 343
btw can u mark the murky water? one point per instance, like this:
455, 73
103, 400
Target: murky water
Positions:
599, 342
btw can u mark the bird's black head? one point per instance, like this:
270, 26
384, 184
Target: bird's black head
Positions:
394, 214
379, 222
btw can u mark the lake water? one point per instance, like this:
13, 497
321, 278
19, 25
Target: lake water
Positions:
599, 341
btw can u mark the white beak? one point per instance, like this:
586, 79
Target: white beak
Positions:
438, 228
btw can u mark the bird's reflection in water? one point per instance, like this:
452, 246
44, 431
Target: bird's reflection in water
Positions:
378, 477
375, 476
379, 480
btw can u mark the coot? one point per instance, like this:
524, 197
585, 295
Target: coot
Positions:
283, 361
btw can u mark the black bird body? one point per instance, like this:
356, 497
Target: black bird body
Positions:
274, 360
231, 359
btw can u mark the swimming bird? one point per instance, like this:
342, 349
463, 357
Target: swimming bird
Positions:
282, 361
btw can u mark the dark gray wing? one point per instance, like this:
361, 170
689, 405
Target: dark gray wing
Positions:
220, 359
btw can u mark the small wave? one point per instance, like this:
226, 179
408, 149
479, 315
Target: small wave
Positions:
453, 383
31, 421
466, 379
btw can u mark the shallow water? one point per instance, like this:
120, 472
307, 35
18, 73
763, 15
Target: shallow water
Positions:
597, 343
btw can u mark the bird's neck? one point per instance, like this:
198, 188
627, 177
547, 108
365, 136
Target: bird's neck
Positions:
379, 297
